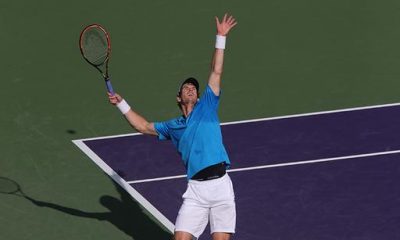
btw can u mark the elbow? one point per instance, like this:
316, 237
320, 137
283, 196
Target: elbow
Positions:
143, 128
140, 128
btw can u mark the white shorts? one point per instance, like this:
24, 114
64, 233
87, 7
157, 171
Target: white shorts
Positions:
203, 201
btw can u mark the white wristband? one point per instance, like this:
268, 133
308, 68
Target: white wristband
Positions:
123, 106
220, 42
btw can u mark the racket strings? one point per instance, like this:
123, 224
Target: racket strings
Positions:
95, 47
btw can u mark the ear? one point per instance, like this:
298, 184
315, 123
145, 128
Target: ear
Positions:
178, 99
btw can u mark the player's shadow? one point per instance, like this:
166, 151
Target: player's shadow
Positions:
124, 213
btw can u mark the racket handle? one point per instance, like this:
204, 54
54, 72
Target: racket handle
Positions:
109, 87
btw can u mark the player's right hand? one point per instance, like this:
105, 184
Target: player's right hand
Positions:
114, 99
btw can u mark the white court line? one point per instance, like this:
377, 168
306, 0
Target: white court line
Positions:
314, 113
277, 165
118, 179
268, 119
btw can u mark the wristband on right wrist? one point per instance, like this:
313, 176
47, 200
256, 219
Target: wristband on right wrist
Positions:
123, 106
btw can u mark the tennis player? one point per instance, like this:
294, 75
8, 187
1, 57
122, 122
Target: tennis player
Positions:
197, 136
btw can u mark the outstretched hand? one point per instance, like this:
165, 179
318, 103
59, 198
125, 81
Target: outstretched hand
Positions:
227, 23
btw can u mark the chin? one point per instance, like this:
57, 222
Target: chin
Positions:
191, 101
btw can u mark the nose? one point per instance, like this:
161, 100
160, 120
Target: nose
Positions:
190, 90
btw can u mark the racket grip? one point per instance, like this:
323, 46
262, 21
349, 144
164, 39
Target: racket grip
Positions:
109, 87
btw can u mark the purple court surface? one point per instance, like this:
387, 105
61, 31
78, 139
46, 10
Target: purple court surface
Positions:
326, 175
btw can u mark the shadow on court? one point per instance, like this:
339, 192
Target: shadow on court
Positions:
124, 213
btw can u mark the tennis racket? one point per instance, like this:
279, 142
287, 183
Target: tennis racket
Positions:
8, 186
95, 46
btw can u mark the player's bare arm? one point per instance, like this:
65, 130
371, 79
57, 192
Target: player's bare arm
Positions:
223, 28
135, 120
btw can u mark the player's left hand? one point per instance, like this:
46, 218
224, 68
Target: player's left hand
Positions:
227, 23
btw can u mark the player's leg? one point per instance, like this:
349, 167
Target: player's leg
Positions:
221, 236
223, 211
223, 221
179, 235
192, 217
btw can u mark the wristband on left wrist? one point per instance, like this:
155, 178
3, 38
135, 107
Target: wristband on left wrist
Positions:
220, 42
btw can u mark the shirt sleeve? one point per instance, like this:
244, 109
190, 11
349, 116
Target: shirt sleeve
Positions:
163, 130
210, 98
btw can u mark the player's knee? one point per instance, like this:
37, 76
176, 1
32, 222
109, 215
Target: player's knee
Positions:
183, 236
221, 236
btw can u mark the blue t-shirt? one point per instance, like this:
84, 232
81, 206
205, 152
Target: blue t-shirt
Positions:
198, 137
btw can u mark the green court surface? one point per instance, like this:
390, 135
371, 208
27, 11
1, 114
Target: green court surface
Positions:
284, 57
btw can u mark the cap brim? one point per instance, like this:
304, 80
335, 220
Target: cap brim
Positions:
192, 81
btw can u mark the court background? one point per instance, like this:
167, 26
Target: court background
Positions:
284, 57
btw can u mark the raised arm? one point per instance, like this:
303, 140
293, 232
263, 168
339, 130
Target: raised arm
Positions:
223, 28
135, 120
